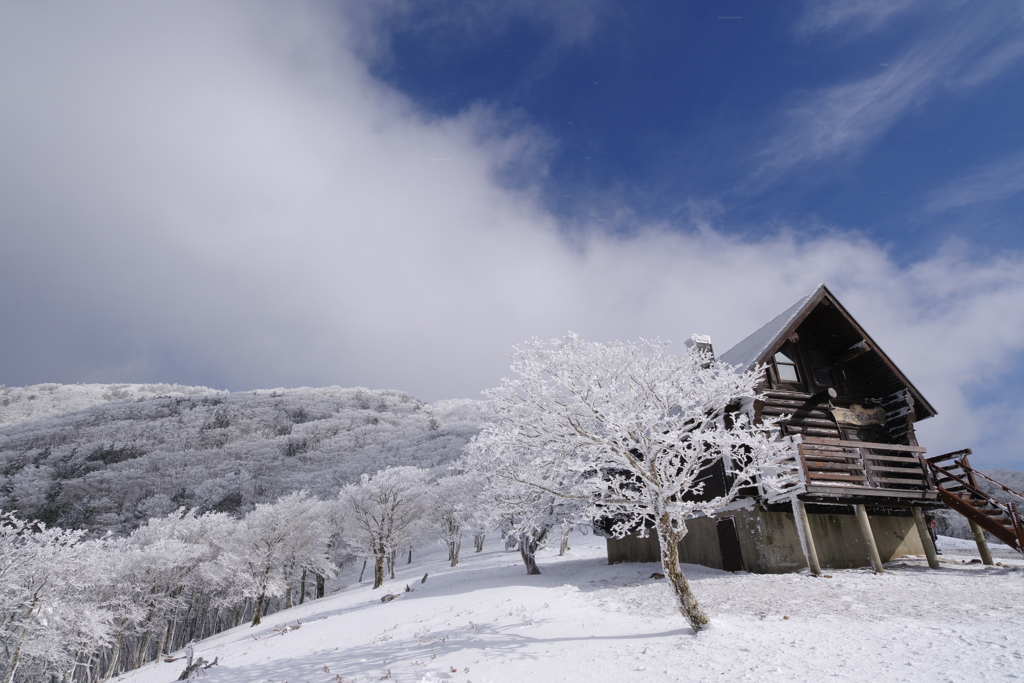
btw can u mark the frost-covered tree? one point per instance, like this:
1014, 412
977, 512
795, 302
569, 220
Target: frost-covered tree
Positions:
274, 540
177, 562
452, 507
629, 429
382, 512
47, 618
526, 509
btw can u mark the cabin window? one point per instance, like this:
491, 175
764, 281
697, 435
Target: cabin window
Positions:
785, 366
821, 368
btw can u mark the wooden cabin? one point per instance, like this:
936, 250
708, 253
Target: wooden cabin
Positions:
859, 486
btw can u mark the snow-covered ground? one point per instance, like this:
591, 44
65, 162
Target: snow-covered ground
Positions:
583, 620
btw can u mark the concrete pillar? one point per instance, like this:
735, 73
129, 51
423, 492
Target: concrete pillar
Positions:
805, 524
979, 538
869, 538
926, 538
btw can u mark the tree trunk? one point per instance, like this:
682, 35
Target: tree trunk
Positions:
86, 666
478, 541
362, 571
141, 654
391, 562
669, 539
163, 640
529, 560
13, 663
302, 588
564, 545
378, 571
259, 610
115, 653
116, 658
528, 544
410, 555
197, 624
454, 548
78, 664
320, 583
215, 623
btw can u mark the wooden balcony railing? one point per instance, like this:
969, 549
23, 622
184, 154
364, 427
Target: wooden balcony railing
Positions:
840, 468
880, 466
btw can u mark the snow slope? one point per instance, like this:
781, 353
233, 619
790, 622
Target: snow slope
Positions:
486, 621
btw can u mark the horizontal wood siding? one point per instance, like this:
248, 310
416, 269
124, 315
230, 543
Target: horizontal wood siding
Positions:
634, 549
808, 413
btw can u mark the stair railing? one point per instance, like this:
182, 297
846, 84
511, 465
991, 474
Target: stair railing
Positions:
976, 495
1002, 486
966, 483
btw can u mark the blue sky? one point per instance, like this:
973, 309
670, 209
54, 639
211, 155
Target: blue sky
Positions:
857, 116
392, 195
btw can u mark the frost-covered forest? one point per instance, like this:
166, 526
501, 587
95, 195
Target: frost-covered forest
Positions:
18, 404
109, 457
81, 608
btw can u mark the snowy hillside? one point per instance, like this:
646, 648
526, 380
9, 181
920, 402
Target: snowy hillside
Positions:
486, 621
19, 404
1010, 478
116, 464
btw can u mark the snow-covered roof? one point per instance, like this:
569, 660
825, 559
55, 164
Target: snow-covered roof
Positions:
749, 351
874, 364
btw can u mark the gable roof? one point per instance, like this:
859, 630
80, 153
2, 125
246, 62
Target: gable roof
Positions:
827, 313
755, 348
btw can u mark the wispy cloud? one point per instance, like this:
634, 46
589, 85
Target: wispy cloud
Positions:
998, 180
992, 63
967, 48
567, 22
856, 16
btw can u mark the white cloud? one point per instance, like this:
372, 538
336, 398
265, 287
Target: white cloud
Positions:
227, 198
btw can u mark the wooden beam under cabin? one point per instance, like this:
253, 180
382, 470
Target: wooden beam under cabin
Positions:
869, 538
926, 538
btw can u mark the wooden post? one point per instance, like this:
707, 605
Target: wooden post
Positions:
926, 538
869, 538
805, 524
979, 538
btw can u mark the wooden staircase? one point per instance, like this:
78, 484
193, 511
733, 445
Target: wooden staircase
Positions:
957, 484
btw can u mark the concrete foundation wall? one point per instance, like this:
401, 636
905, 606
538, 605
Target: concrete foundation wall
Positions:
770, 544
